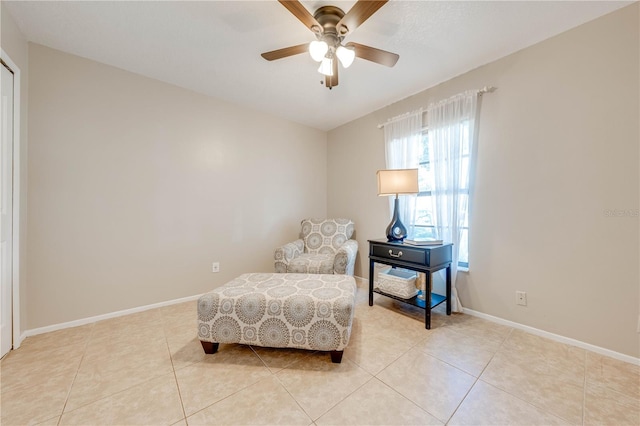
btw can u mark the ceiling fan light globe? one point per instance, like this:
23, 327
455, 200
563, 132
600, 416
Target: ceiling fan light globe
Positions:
346, 55
317, 50
326, 67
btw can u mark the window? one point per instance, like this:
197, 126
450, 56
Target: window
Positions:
425, 220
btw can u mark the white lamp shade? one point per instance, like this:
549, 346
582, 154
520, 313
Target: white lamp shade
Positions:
398, 181
317, 50
326, 67
346, 55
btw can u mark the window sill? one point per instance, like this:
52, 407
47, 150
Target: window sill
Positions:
463, 269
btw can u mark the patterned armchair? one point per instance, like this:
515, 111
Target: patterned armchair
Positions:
324, 247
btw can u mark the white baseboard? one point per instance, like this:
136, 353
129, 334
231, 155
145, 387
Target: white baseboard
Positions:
555, 337
97, 318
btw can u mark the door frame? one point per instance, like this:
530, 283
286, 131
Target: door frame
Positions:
15, 255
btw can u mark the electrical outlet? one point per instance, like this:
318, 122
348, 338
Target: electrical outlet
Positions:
521, 298
215, 267
638, 330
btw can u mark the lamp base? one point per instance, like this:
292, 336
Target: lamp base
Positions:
396, 232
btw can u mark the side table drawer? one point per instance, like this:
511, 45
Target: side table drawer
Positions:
406, 254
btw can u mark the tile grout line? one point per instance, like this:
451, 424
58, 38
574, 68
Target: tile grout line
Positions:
477, 377
348, 395
402, 396
111, 394
220, 400
75, 376
313, 422
462, 400
231, 394
173, 370
116, 392
411, 400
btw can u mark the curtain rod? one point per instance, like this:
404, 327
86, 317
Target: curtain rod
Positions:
485, 89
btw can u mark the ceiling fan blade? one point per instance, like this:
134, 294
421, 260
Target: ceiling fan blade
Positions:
284, 52
374, 55
303, 15
360, 12
331, 81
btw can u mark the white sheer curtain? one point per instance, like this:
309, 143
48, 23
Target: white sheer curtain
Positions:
451, 123
402, 137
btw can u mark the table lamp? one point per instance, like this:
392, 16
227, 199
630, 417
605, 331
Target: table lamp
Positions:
394, 182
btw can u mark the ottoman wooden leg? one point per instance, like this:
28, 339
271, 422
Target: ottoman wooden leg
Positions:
212, 348
336, 357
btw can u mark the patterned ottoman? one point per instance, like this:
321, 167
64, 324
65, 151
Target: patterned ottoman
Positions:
305, 311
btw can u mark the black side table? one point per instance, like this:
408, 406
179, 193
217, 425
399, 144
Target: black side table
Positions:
426, 259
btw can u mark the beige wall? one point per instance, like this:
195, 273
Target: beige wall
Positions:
137, 186
558, 146
15, 45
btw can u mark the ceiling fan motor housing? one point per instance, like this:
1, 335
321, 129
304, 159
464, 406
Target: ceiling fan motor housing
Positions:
329, 17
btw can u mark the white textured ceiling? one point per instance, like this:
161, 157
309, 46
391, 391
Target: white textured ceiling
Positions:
213, 47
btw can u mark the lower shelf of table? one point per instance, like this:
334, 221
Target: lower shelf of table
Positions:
436, 299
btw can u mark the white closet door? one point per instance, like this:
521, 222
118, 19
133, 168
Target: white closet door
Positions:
6, 208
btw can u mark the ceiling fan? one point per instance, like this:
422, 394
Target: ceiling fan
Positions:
330, 26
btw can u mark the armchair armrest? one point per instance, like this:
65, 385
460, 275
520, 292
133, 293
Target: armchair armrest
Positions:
284, 254
345, 259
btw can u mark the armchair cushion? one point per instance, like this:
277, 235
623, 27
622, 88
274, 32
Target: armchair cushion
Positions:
312, 264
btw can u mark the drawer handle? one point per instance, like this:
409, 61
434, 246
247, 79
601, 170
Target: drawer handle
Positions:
395, 255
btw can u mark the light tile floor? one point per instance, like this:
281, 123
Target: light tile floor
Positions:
149, 368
